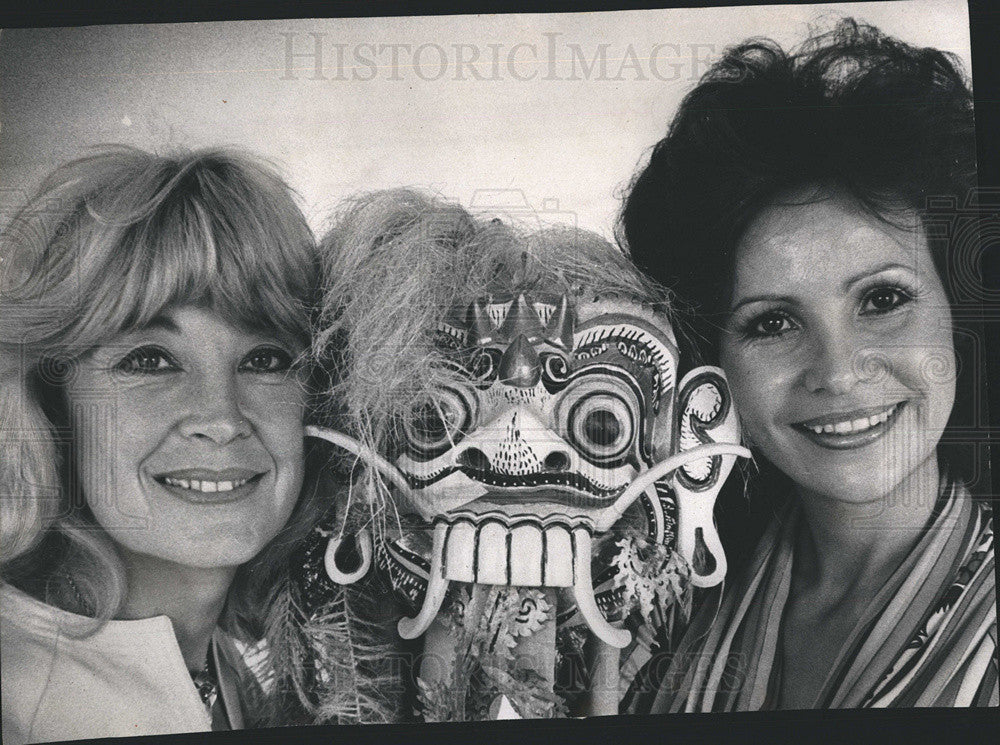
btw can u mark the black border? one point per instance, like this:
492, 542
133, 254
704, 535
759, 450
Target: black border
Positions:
902, 725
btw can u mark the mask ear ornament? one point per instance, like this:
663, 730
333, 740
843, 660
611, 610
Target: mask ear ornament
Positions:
348, 558
706, 415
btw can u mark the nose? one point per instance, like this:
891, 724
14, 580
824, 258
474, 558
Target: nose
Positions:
836, 361
214, 412
515, 444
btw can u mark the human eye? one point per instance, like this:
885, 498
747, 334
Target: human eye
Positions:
267, 359
147, 360
768, 325
884, 299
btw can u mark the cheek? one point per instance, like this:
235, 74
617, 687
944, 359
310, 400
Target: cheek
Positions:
753, 381
279, 418
924, 359
931, 371
112, 436
106, 437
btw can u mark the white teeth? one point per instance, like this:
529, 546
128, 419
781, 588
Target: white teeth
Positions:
493, 546
460, 556
492, 554
204, 486
558, 571
526, 541
855, 425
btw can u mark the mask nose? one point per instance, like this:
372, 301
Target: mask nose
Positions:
515, 444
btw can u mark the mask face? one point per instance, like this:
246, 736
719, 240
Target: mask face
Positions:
518, 466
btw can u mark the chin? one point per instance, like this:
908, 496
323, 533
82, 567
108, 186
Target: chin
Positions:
229, 550
865, 481
224, 558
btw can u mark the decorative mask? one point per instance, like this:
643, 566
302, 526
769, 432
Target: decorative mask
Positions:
566, 432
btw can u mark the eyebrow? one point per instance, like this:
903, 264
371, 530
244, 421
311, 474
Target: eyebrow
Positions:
763, 298
872, 271
850, 282
164, 323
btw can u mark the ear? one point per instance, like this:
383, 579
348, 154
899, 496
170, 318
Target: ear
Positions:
705, 415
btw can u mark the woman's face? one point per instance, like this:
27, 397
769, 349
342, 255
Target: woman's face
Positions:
839, 347
188, 438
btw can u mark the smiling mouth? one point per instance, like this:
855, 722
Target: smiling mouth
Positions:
851, 430
195, 482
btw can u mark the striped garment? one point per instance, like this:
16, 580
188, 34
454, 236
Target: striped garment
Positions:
928, 637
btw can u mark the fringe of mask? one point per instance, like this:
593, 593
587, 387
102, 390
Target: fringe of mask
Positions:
338, 665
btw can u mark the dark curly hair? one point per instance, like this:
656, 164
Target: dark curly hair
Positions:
890, 123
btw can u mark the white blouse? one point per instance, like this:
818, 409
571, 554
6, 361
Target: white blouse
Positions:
127, 679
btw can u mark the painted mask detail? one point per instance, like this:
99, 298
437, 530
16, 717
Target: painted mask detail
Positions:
517, 474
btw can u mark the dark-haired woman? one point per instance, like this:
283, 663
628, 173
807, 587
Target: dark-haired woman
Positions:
788, 208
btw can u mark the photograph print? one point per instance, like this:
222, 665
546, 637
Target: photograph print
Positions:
462, 368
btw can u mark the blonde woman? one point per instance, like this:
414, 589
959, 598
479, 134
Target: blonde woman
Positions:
152, 316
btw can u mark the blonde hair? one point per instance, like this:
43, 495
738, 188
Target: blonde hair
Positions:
108, 243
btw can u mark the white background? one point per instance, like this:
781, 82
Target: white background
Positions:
566, 140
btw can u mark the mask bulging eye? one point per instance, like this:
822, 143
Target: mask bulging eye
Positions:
484, 364
602, 426
439, 422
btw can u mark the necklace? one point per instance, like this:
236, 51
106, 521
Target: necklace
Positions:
84, 606
206, 682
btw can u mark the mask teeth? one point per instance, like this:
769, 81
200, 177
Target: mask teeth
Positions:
558, 556
437, 588
523, 556
583, 592
493, 561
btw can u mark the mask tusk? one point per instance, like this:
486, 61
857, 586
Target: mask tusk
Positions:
583, 592
366, 454
437, 588
654, 474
